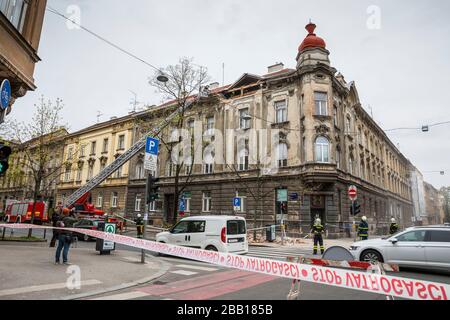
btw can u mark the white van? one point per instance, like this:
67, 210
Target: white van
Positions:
215, 233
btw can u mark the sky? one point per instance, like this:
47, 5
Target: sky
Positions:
397, 52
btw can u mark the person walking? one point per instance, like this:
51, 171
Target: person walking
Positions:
363, 229
393, 228
318, 231
139, 225
64, 236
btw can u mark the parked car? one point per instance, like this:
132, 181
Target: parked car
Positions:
421, 247
89, 224
215, 233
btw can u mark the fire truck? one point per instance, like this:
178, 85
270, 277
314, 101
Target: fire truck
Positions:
20, 212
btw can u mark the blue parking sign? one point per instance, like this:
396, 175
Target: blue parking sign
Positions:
152, 146
237, 202
182, 206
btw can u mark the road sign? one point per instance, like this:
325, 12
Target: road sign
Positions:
282, 195
293, 196
151, 154
109, 228
5, 94
237, 204
182, 205
353, 193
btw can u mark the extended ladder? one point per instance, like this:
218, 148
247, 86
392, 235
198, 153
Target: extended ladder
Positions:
123, 158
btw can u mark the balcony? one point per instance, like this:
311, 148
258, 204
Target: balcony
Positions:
323, 172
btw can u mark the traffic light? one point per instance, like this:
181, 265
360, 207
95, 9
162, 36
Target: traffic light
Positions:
152, 189
5, 152
355, 208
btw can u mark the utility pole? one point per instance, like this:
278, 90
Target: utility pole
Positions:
148, 187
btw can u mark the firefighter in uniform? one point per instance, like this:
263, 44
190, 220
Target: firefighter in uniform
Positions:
139, 225
363, 229
318, 230
394, 226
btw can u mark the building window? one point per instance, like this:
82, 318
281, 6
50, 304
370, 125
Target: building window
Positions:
15, 11
243, 159
210, 124
348, 124
114, 197
100, 200
79, 171
152, 206
335, 116
90, 172
206, 203
93, 147
338, 158
137, 203
82, 150
321, 103
187, 204
281, 111
102, 165
208, 165
282, 155
119, 172
140, 170
121, 143
70, 153
244, 123
105, 145
67, 174
322, 147
350, 165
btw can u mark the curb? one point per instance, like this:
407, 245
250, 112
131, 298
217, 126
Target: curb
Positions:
166, 266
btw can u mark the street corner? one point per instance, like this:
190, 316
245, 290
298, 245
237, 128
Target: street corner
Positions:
30, 273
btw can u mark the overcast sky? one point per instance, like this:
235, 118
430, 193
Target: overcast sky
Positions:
402, 69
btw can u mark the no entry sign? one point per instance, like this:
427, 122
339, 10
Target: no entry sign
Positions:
352, 193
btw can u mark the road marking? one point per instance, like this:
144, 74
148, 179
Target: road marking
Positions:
186, 266
124, 296
184, 272
44, 287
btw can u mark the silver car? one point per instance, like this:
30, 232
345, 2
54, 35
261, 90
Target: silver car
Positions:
424, 247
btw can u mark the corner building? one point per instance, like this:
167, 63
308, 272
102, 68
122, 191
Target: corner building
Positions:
324, 141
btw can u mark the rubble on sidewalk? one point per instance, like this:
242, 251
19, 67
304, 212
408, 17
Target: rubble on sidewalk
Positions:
287, 241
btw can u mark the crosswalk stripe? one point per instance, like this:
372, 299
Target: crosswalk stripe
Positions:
184, 272
124, 296
45, 287
186, 266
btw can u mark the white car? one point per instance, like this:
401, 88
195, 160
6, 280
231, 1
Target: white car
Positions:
423, 247
216, 233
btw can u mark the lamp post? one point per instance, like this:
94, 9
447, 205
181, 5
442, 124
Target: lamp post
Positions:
161, 78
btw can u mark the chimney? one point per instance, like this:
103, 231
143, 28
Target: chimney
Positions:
213, 85
276, 67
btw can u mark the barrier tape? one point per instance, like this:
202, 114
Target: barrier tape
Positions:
349, 279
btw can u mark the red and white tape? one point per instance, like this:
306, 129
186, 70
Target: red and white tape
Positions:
350, 279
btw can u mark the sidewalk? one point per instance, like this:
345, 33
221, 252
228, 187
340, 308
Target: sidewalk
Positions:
302, 243
29, 272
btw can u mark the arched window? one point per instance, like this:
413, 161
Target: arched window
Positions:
322, 150
282, 155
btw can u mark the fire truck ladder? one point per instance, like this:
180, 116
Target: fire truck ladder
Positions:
123, 158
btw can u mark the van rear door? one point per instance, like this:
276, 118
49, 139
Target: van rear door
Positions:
236, 235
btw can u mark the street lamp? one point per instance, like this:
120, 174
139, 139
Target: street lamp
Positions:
162, 77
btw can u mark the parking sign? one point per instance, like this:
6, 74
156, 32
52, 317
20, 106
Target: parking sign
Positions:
151, 154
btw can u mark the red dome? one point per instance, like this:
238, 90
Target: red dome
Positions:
311, 40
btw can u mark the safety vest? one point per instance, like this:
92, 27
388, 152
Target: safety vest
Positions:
318, 229
363, 230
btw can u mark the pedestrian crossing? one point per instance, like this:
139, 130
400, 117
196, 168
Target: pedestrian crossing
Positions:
277, 253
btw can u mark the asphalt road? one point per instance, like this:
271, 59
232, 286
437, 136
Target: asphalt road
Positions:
191, 281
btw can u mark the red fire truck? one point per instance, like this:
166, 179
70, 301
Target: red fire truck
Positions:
20, 212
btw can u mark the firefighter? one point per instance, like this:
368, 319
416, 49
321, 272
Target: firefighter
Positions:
394, 227
139, 225
363, 229
318, 230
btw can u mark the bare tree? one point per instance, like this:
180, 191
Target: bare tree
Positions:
38, 141
185, 82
